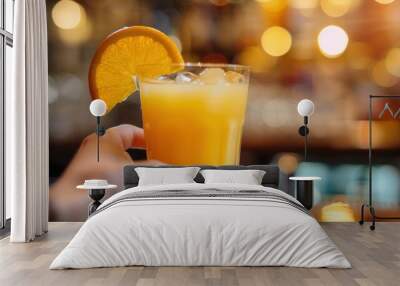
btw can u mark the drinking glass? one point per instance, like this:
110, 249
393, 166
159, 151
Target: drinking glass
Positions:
193, 114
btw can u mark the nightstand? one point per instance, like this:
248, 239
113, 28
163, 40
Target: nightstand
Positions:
305, 190
97, 190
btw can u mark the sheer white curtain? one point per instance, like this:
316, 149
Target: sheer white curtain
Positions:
27, 124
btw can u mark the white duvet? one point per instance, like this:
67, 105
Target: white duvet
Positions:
200, 231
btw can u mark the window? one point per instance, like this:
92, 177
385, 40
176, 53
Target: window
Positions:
6, 44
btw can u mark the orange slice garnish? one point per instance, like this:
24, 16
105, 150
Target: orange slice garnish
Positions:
114, 67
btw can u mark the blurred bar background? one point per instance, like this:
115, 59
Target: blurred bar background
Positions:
334, 52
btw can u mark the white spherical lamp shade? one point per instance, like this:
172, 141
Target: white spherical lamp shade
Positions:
98, 107
305, 107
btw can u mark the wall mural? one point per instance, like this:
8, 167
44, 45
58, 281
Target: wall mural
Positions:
292, 53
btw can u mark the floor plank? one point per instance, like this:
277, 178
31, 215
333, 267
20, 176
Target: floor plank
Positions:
375, 257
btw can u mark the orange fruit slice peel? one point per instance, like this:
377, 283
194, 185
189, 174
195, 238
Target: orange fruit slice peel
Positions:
125, 54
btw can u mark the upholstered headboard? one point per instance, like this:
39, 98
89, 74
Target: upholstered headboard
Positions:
271, 177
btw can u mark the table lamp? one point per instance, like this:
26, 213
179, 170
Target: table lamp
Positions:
305, 108
98, 108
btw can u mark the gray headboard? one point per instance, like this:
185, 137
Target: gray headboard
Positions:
271, 177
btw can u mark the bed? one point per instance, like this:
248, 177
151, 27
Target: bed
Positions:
198, 224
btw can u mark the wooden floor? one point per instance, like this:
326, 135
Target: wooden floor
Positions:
375, 257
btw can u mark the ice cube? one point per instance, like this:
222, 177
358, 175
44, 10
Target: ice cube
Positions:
161, 79
186, 77
234, 77
212, 75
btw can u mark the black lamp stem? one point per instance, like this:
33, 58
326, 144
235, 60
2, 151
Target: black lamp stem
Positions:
305, 138
98, 137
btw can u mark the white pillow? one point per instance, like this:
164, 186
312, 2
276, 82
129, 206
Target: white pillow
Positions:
248, 177
163, 176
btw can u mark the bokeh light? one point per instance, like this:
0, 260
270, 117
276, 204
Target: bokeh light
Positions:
392, 62
66, 14
276, 41
80, 33
274, 6
338, 211
381, 76
288, 162
384, 1
303, 4
332, 41
337, 8
256, 58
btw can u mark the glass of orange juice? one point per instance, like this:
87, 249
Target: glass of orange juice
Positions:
194, 115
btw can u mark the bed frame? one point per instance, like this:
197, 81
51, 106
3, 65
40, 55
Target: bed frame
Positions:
270, 179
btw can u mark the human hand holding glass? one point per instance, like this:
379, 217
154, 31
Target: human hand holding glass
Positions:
67, 204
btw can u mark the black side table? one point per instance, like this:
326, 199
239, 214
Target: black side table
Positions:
96, 193
305, 190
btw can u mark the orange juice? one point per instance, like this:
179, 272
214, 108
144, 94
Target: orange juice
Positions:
193, 123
